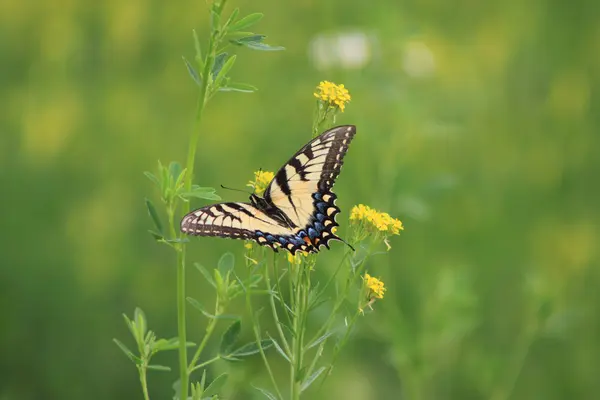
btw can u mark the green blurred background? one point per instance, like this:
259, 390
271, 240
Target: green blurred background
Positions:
477, 126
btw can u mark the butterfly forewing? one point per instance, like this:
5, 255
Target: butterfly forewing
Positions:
301, 190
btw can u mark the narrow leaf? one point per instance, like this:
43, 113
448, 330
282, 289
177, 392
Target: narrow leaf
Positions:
192, 71
198, 56
263, 46
230, 337
156, 236
127, 352
226, 263
252, 348
238, 87
152, 177
219, 62
205, 273
225, 70
200, 195
196, 304
245, 22
140, 322
267, 394
159, 368
320, 339
231, 18
311, 379
215, 386
249, 39
154, 215
280, 350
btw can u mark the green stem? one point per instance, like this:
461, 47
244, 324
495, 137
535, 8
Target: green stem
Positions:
274, 309
256, 330
144, 382
209, 330
297, 339
204, 364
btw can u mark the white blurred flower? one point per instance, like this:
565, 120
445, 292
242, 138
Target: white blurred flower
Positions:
348, 50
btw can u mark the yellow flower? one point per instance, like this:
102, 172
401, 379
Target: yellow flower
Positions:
297, 258
248, 245
381, 221
335, 95
375, 286
261, 181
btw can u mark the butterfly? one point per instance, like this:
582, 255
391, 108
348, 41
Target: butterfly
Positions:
297, 211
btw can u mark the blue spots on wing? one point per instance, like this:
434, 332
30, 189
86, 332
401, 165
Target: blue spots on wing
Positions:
321, 207
312, 233
270, 238
302, 234
320, 217
317, 196
296, 241
283, 241
319, 227
259, 233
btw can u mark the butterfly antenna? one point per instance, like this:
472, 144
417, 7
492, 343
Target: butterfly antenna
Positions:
236, 190
347, 244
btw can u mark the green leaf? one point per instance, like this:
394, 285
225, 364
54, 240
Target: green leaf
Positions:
175, 170
245, 22
263, 46
280, 350
225, 70
140, 323
216, 385
207, 193
128, 352
231, 18
198, 56
156, 236
230, 337
206, 274
196, 304
267, 394
238, 87
219, 62
171, 344
152, 177
311, 379
319, 340
159, 368
248, 39
154, 215
192, 71
251, 348
226, 263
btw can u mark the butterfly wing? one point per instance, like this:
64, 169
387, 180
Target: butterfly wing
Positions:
302, 188
236, 221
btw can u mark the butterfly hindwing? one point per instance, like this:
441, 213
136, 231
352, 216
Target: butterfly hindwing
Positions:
298, 210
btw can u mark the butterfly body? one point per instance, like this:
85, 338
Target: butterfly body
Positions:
298, 209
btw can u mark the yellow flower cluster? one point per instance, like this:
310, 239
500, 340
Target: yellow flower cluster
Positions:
297, 258
375, 286
333, 94
379, 220
261, 181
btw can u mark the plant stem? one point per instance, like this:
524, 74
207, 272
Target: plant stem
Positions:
204, 364
191, 158
274, 309
144, 382
209, 330
256, 330
297, 339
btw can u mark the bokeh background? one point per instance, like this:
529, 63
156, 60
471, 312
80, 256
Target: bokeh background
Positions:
478, 126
